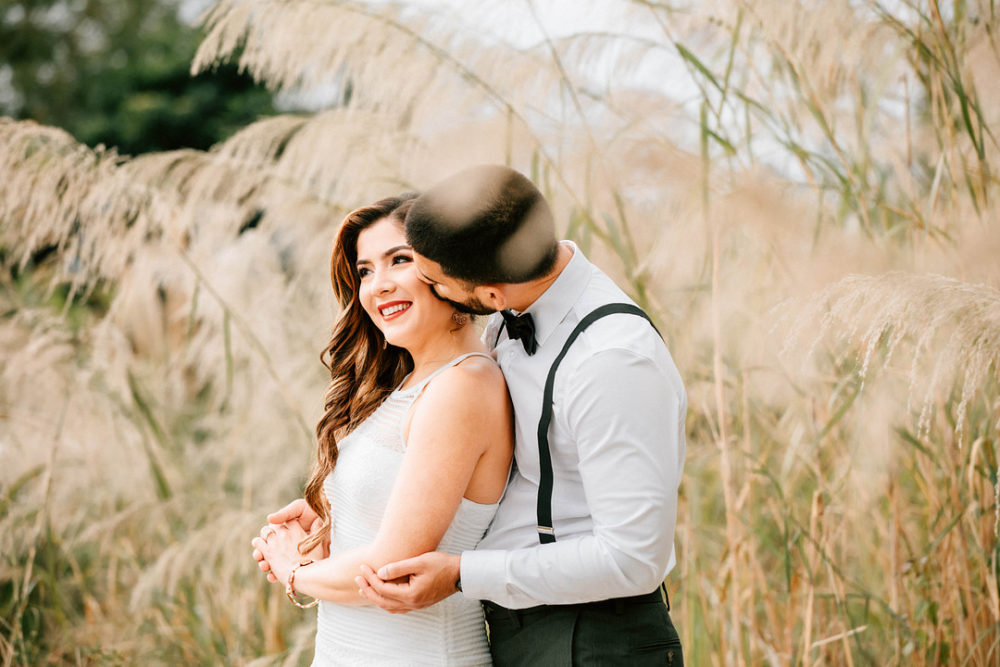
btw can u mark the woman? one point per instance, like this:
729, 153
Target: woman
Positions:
414, 452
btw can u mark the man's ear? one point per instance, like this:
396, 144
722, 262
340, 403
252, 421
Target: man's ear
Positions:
492, 296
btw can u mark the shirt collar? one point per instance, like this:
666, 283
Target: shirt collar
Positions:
551, 308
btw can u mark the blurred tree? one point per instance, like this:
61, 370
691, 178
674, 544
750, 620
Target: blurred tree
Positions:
117, 72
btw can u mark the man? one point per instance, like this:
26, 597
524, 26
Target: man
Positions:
570, 571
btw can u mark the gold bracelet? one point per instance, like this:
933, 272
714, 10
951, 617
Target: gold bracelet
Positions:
290, 588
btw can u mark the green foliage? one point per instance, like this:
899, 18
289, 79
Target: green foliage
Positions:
116, 72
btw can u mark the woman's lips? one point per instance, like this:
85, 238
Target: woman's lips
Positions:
394, 309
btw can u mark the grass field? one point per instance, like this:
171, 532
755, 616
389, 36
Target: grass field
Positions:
804, 195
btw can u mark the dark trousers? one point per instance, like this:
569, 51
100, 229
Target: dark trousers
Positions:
632, 631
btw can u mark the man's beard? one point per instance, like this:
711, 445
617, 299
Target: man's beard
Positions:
473, 307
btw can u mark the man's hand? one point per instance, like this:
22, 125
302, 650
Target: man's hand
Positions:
411, 584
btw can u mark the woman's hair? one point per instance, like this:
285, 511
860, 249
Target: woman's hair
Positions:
363, 369
485, 224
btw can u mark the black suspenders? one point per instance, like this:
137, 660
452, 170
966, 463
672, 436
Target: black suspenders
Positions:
544, 507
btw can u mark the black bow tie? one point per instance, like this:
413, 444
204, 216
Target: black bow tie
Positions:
521, 327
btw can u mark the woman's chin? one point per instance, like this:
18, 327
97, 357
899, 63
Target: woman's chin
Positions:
397, 340
415, 336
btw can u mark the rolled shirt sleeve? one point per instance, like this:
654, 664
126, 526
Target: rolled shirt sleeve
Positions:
625, 412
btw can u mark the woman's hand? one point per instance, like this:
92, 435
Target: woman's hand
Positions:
278, 548
297, 511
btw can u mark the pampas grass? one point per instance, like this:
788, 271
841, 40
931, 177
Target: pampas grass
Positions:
959, 322
803, 195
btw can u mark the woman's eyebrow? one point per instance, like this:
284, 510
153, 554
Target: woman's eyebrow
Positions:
396, 249
387, 253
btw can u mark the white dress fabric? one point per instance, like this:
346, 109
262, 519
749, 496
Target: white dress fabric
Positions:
451, 632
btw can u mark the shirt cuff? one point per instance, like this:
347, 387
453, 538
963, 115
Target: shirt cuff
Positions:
484, 574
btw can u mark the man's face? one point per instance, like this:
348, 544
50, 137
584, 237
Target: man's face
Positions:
457, 293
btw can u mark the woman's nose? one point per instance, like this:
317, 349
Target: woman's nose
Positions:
382, 283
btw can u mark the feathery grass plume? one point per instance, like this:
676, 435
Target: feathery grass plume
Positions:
956, 322
57, 192
329, 159
382, 56
338, 155
99, 209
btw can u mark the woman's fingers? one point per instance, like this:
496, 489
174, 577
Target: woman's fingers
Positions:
292, 510
297, 510
261, 561
259, 547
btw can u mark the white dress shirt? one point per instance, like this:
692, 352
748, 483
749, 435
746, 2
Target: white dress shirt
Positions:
617, 446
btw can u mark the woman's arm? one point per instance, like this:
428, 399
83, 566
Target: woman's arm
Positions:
462, 419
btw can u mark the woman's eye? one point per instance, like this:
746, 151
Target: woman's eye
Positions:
363, 272
399, 259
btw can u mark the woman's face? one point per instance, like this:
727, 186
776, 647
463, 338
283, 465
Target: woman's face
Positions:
392, 293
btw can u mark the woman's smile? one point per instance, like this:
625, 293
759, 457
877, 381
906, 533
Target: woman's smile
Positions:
394, 309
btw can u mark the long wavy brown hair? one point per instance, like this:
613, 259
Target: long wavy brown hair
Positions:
363, 368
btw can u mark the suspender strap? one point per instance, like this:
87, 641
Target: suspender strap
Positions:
544, 507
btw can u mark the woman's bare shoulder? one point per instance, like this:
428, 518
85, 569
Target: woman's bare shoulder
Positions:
478, 369
477, 383
464, 411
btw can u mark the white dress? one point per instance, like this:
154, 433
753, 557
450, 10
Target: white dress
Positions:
451, 632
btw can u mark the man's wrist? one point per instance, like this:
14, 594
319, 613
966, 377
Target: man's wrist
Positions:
483, 573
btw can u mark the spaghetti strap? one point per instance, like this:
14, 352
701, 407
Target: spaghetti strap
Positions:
454, 362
